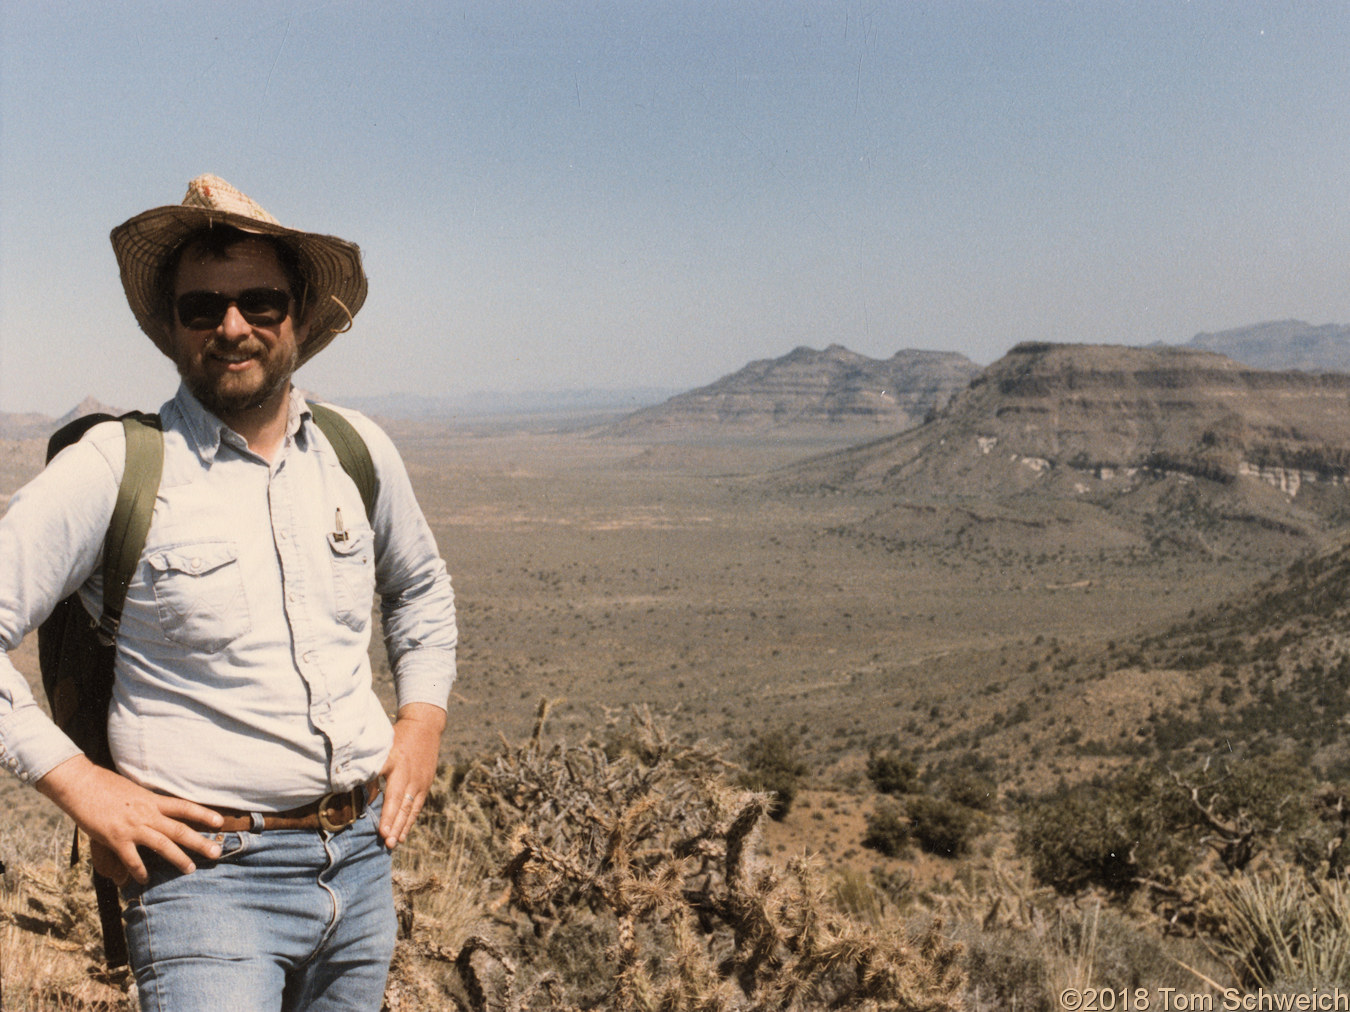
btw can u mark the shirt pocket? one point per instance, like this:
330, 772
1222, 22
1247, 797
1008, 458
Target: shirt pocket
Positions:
199, 594
353, 577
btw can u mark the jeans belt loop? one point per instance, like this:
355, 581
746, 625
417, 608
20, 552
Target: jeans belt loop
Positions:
255, 822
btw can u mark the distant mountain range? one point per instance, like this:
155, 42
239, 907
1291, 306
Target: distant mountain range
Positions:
408, 406
1283, 344
834, 388
840, 389
493, 402
32, 426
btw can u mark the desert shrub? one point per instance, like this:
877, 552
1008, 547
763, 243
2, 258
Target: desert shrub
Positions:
773, 765
941, 826
1102, 947
895, 884
1006, 970
629, 881
887, 830
1244, 806
1024, 945
1113, 836
971, 789
859, 895
892, 773
1151, 824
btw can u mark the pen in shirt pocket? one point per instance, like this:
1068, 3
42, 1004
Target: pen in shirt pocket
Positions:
339, 532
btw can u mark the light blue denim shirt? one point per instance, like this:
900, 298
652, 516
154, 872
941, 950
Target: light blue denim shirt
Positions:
243, 677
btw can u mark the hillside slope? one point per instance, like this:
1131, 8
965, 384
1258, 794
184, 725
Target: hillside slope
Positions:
808, 388
1171, 442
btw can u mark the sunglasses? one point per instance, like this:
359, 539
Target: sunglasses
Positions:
260, 307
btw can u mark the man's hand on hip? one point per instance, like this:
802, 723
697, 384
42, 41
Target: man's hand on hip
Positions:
119, 816
410, 768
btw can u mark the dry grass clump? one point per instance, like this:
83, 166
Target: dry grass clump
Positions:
1025, 943
51, 948
620, 875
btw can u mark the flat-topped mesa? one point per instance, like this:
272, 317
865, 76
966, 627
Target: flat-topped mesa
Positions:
1086, 420
1095, 407
807, 388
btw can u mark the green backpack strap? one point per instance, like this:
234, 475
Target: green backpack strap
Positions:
352, 453
130, 522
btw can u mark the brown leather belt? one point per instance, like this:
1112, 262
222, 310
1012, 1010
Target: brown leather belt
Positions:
332, 812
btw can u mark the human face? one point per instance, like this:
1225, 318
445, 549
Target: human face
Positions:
237, 369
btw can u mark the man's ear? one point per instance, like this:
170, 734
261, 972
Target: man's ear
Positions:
304, 307
301, 327
163, 337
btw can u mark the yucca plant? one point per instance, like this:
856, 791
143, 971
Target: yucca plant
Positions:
1279, 927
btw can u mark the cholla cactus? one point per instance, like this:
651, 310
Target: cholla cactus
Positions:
630, 860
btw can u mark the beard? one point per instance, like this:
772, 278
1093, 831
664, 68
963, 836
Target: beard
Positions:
227, 395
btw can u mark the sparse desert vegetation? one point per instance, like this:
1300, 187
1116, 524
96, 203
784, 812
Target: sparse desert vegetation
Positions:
1021, 749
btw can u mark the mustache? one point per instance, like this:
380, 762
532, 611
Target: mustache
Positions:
216, 346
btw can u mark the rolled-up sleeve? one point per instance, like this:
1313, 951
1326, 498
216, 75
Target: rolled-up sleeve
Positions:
51, 539
417, 602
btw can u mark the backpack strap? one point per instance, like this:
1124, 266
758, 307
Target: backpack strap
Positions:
352, 453
130, 522
77, 654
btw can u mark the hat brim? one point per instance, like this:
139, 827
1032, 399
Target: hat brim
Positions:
330, 265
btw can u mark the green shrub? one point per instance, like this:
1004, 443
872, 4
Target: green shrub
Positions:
1253, 802
941, 826
972, 789
888, 830
773, 764
892, 773
1110, 836
1152, 824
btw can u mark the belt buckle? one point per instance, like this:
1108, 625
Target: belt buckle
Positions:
327, 824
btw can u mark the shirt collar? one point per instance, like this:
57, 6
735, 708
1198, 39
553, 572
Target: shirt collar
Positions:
206, 432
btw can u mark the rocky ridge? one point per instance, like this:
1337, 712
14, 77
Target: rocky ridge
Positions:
1173, 435
813, 389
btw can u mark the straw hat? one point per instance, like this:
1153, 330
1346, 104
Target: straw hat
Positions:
331, 266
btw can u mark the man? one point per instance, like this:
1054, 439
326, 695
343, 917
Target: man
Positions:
245, 819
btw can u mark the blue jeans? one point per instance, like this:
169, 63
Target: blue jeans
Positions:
284, 919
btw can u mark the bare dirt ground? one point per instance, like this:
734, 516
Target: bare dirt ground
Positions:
603, 573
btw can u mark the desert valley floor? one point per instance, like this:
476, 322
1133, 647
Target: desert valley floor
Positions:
684, 576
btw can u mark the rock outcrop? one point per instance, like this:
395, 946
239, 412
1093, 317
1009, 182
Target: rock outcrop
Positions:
834, 388
1176, 437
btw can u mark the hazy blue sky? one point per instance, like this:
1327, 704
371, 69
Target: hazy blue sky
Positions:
560, 194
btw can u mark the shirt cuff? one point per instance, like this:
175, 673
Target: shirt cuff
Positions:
425, 676
31, 746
